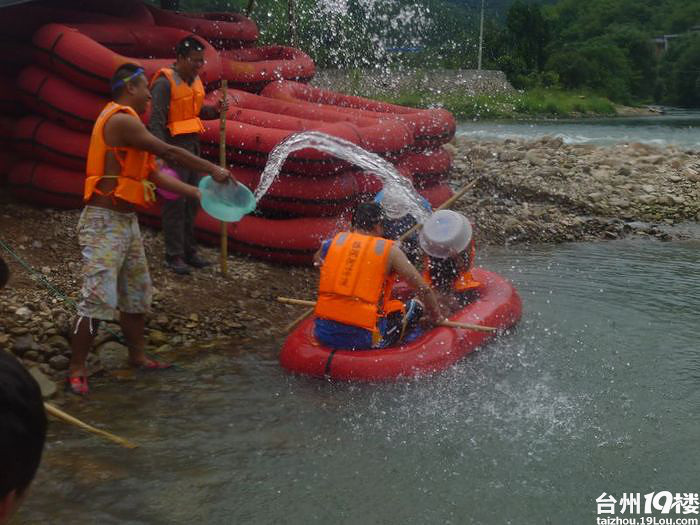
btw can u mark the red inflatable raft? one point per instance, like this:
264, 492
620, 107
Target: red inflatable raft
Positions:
88, 54
430, 127
250, 144
253, 68
499, 306
36, 137
58, 99
225, 30
306, 196
47, 185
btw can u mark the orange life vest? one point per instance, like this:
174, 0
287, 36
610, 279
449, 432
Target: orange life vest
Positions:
355, 287
463, 282
185, 103
136, 165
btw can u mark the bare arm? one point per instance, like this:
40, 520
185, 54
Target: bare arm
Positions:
125, 130
175, 185
402, 266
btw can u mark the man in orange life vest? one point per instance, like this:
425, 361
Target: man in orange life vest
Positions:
177, 107
121, 173
358, 269
448, 242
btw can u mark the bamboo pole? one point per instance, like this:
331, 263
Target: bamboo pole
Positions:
223, 259
449, 202
60, 414
450, 324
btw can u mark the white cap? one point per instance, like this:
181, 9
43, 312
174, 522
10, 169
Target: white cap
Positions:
392, 204
445, 233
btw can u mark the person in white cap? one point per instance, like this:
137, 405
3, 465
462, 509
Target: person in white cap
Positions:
397, 221
448, 242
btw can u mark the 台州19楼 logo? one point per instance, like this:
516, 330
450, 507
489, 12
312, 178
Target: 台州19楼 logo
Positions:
634, 508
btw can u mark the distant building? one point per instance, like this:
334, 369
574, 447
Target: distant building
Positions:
662, 42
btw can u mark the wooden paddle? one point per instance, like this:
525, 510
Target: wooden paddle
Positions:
223, 258
60, 414
449, 202
450, 324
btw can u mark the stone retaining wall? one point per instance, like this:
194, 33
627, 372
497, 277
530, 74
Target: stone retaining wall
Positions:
369, 82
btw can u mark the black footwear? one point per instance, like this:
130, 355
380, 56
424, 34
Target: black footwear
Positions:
177, 265
197, 262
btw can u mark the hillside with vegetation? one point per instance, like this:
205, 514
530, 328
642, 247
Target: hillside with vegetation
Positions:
602, 47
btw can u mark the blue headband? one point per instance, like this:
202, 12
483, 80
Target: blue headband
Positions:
124, 81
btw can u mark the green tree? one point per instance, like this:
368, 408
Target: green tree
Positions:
681, 69
529, 34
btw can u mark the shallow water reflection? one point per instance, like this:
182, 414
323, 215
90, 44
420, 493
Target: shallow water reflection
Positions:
597, 390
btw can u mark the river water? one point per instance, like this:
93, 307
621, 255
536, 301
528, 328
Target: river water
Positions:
679, 127
597, 391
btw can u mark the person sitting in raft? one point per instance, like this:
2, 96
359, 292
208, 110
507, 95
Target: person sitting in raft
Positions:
448, 242
397, 221
358, 269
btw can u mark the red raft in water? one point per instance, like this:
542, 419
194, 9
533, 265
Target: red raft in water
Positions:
499, 306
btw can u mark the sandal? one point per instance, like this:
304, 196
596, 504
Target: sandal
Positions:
77, 385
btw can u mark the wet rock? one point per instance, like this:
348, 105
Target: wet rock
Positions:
534, 159
23, 312
112, 354
59, 343
31, 355
23, 344
547, 172
157, 337
619, 203
59, 362
47, 385
645, 199
511, 156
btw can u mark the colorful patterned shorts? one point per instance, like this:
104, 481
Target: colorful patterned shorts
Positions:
115, 270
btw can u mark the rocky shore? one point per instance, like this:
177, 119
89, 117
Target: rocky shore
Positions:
548, 191
527, 192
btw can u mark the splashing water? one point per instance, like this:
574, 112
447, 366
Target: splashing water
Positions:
392, 180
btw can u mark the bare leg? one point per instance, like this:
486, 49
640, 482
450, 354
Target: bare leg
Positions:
133, 326
81, 343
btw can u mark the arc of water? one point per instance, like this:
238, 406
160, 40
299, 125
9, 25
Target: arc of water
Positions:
392, 180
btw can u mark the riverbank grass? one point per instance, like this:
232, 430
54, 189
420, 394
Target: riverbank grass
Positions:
533, 103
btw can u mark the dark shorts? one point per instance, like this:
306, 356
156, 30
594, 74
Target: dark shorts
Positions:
392, 328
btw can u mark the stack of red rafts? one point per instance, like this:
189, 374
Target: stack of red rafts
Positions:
61, 82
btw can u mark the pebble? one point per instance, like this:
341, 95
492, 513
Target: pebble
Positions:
23, 312
47, 385
59, 362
